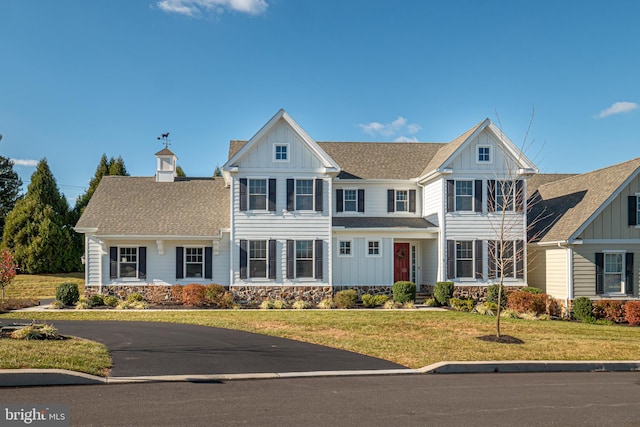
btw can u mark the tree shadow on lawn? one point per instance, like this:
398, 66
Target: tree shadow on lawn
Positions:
502, 339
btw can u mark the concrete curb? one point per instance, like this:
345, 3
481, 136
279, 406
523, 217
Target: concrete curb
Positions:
43, 377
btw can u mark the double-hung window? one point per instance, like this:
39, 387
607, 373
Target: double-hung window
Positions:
258, 194
402, 200
464, 258
258, 258
350, 200
464, 196
304, 258
613, 273
128, 262
194, 262
304, 194
505, 197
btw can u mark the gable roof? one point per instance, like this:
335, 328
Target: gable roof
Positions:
566, 206
140, 206
382, 222
325, 159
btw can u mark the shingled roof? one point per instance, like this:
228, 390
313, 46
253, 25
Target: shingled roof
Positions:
140, 206
561, 207
381, 222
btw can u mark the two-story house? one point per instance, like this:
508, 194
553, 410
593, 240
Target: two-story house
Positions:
298, 219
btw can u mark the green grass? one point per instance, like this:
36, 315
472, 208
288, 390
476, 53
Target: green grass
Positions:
40, 286
412, 338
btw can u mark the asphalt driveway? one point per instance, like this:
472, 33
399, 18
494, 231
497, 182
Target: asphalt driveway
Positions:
146, 349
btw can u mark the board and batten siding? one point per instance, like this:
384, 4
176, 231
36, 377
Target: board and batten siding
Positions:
433, 194
359, 268
501, 161
261, 154
161, 269
375, 198
612, 222
428, 271
584, 267
556, 272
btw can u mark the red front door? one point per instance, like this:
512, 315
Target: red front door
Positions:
401, 262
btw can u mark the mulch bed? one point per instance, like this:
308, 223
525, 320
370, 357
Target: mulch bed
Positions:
502, 339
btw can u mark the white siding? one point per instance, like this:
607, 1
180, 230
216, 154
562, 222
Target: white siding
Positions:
93, 261
375, 198
469, 225
501, 161
428, 272
360, 269
556, 272
433, 201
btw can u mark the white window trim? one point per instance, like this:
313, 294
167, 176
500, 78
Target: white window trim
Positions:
341, 255
266, 196
455, 195
185, 262
137, 262
623, 276
258, 278
637, 210
313, 194
499, 184
473, 260
344, 199
406, 201
313, 260
482, 162
379, 254
287, 160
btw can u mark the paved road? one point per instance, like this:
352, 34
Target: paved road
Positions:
549, 399
145, 348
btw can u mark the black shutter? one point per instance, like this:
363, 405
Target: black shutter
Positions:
360, 200
243, 259
599, 273
318, 195
628, 279
451, 259
491, 195
479, 261
179, 262
272, 259
339, 200
318, 256
290, 258
491, 257
451, 193
272, 194
142, 262
633, 210
290, 194
208, 262
519, 196
520, 259
412, 200
113, 262
243, 194
391, 201
477, 195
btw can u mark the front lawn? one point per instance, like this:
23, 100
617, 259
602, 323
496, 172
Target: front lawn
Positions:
412, 338
38, 286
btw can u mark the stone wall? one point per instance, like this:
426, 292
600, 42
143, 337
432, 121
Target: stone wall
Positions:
154, 294
372, 290
254, 295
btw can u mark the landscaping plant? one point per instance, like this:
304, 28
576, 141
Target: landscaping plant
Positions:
7, 270
67, 293
443, 292
583, 309
404, 291
346, 299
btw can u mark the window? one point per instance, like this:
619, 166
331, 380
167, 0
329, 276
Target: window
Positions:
194, 262
258, 258
304, 258
344, 248
484, 154
258, 194
613, 273
350, 200
401, 201
128, 262
166, 164
464, 196
281, 152
373, 248
505, 195
304, 194
413, 264
638, 211
464, 258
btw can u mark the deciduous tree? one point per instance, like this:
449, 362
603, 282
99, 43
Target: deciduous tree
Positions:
7, 270
10, 185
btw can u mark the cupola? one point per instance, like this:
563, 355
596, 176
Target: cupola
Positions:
166, 169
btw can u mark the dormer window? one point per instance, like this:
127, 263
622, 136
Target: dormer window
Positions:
281, 152
484, 154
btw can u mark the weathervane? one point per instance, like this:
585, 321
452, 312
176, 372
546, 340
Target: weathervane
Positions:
165, 139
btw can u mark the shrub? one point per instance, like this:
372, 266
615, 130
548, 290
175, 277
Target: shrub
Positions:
431, 302
135, 297
110, 301
36, 332
133, 305
82, 304
194, 295
531, 290
632, 312
217, 296
443, 292
346, 299
96, 300
392, 304
487, 308
326, 304
492, 294
583, 309
280, 304
609, 310
176, 294
409, 305
509, 313
462, 304
371, 301
56, 305
266, 304
522, 302
67, 293
301, 305
404, 291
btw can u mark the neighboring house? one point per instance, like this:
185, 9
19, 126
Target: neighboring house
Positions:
298, 219
586, 238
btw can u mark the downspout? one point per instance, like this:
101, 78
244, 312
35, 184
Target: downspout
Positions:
569, 275
330, 242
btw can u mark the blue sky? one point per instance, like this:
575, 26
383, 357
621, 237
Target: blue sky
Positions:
80, 78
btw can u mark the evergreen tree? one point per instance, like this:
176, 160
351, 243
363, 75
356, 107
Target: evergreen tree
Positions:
217, 171
116, 167
9, 189
179, 172
37, 230
105, 167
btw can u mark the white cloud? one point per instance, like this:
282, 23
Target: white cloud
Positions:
25, 162
618, 108
396, 127
198, 7
406, 139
